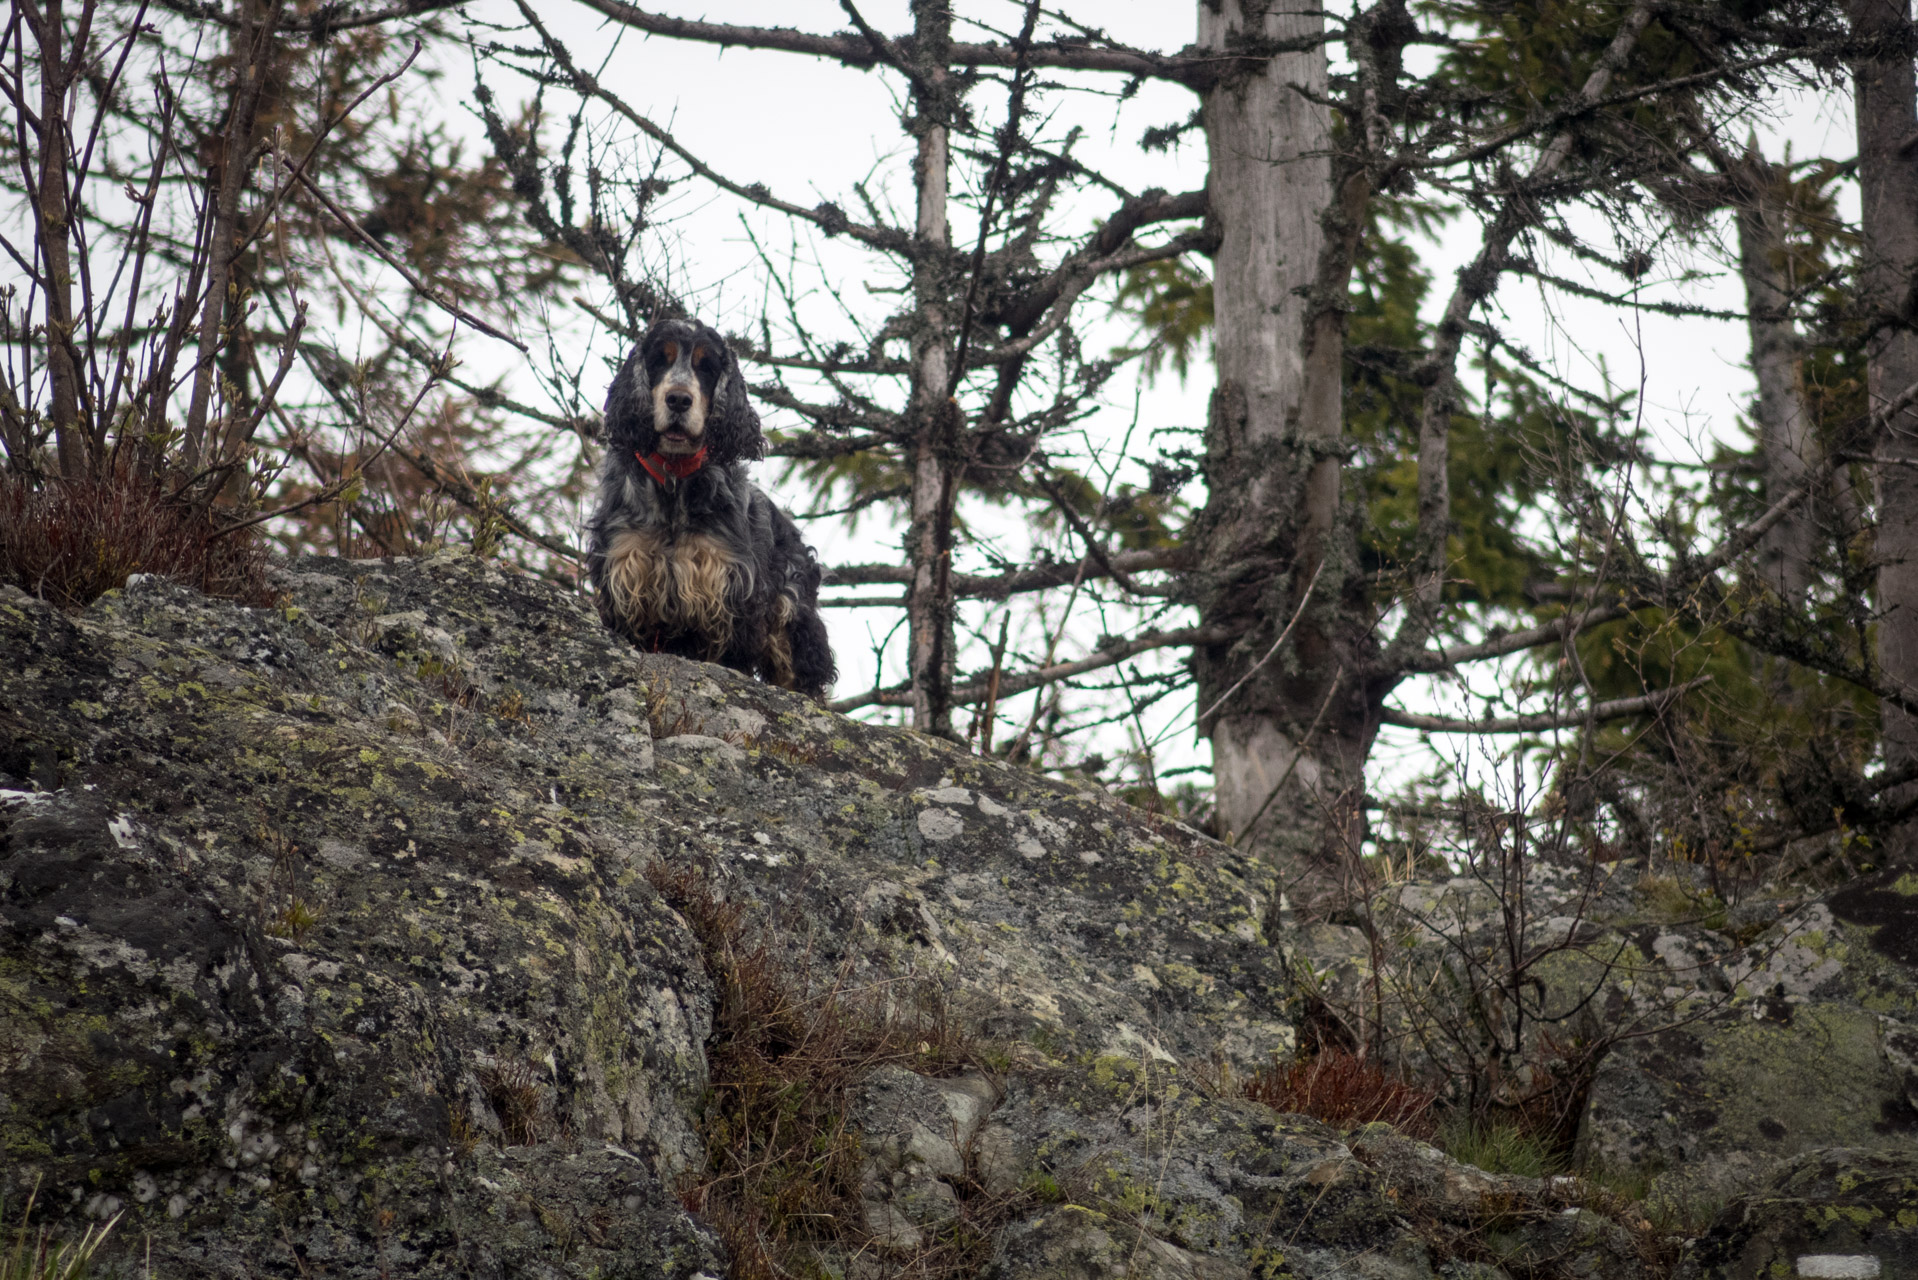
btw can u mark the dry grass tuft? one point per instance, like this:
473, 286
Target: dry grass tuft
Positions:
1344, 1090
661, 718
781, 1184
512, 1090
70, 542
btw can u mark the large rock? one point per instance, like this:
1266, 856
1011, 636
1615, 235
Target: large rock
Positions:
1132, 1148
307, 965
1804, 1039
1723, 1058
329, 948
1496, 1225
1827, 1215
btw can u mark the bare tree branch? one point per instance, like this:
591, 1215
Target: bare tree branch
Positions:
1194, 68
1008, 685
406, 273
862, 602
1019, 582
815, 445
1586, 105
1114, 234
328, 19
1617, 709
1567, 624
828, 218
1438, 372
1076, 281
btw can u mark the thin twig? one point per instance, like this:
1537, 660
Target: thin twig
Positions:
424, 289
333, 491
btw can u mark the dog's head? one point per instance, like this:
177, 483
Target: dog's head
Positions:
680, 391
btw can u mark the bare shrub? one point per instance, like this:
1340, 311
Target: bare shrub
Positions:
72, 541
1345, 1091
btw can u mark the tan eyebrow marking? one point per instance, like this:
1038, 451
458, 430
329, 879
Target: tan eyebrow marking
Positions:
672, 352
699, 353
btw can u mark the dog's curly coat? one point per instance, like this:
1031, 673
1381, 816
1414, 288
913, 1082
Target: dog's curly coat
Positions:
687, 556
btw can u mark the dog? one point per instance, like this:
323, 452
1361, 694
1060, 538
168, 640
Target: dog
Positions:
686, 555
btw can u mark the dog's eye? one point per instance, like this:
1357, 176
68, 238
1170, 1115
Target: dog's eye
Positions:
706, 362
669, 354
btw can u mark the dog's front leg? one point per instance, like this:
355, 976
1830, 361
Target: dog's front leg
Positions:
746, 598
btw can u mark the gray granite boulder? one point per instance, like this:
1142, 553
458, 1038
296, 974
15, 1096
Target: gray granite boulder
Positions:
1836, 1214
327, 947
1809, 1044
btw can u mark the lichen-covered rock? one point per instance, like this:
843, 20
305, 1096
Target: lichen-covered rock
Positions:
280, 969
916, 1132
1833, 1215
329, 946
1809, 1044
1496, 1222
1155, 1156
1072, 1242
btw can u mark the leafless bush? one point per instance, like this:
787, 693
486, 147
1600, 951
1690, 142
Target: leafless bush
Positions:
178, 218
70, 541
1502, 972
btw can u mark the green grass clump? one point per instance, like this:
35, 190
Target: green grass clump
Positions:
36, 1255
1498, 1147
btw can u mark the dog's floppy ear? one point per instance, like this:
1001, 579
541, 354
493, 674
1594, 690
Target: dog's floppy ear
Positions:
732, 428
629, 405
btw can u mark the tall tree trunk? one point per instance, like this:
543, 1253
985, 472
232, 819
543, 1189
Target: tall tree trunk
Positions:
236, 357
1887, 111
932, 416
51, 231
252, 46
1289, 734
1788, 446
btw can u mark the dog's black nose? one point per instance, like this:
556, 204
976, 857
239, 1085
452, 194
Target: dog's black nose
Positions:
678, 401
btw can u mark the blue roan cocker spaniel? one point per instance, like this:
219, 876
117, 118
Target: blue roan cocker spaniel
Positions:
688, 556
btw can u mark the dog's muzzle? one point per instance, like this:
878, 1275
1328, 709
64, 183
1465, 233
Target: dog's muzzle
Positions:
679, 432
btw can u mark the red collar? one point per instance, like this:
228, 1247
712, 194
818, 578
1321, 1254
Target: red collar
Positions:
659, 466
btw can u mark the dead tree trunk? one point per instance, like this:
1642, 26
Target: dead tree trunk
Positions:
1290, 733
52, 214
932, 415
252, 44
1787, 443
1887, 111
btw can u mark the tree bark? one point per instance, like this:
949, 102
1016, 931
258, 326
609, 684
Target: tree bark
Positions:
252, 46
1887, 112
932, 417
1788, 446
1290, 734
52, 229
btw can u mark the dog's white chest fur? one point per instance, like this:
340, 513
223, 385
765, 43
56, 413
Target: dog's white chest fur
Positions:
661, 583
